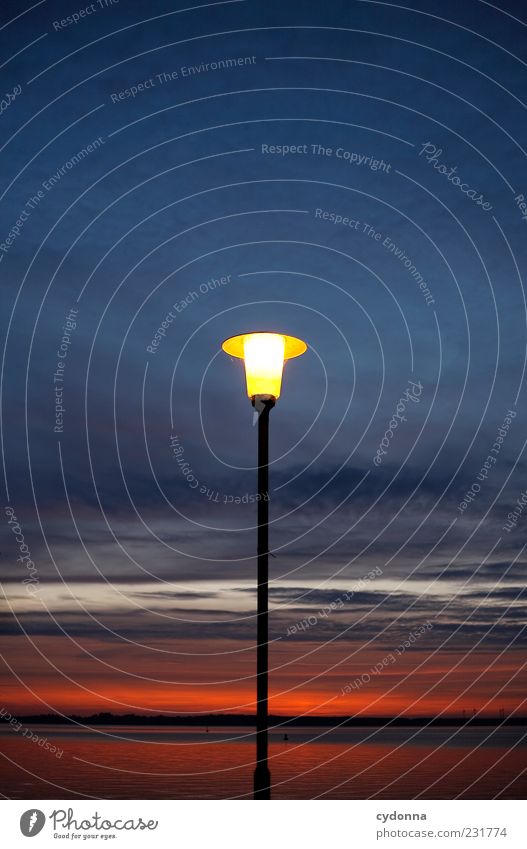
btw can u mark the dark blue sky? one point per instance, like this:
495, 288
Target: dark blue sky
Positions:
197, 163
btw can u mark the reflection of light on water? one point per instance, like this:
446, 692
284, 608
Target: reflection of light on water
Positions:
154, 762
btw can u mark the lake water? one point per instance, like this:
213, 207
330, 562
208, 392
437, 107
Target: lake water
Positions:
138, 762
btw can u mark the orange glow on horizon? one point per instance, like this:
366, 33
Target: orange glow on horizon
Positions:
315, 687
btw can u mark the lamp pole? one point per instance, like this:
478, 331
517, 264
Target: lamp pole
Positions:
263, 405
264, 355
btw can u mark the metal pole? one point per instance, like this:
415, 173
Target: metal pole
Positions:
263, 405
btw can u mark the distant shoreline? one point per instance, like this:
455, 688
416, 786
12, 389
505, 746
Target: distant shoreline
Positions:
229, 720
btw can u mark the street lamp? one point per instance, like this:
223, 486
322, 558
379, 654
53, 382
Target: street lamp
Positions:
263, 355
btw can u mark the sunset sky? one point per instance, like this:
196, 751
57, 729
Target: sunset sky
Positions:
161, 186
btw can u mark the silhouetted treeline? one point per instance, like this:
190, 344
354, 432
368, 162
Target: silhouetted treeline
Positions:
246, 719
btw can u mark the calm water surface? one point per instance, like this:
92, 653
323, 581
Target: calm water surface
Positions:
138, 762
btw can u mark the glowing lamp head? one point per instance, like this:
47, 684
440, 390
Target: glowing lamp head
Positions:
264, 355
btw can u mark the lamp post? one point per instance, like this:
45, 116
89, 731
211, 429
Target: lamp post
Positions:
263, 355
